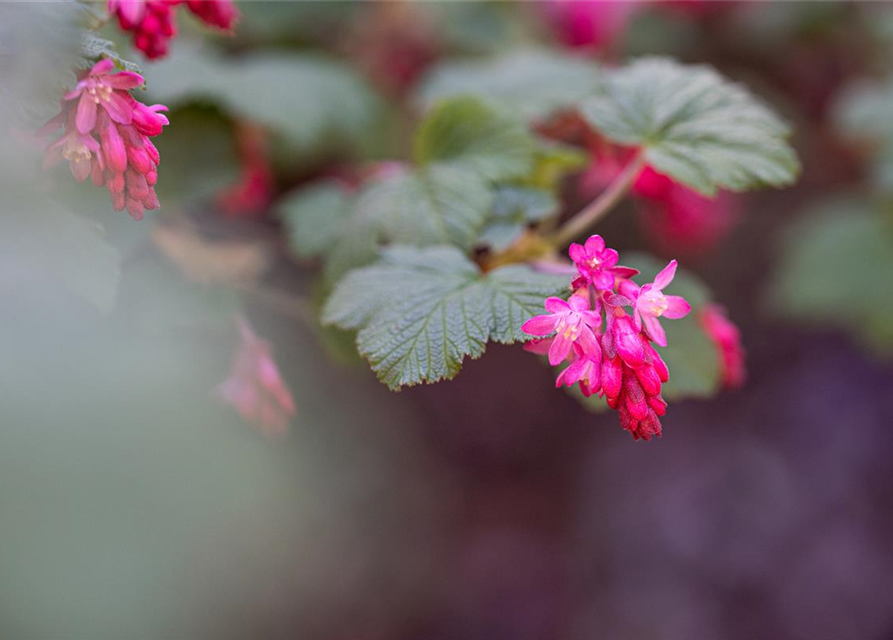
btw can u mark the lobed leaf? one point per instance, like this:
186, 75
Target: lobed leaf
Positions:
478, 135
420, 312
693, 125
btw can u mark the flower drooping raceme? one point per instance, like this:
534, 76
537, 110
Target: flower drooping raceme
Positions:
651, 304
255, 387
153, 22
571, 321
727, 338
106, 136
217, 13
615, 359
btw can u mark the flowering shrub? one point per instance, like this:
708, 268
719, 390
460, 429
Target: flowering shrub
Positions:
431, 257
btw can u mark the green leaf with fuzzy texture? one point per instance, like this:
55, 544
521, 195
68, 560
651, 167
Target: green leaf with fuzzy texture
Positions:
477, 135
315, 218
535, 82
514, 208
420, 312
694, 125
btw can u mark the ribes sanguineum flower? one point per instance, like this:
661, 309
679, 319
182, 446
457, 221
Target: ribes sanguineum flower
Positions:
571, 321
651, 304
615, 360
255, 387
153, 22
727, 338
107, 135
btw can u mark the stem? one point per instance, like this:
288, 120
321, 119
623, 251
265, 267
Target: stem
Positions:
599, 207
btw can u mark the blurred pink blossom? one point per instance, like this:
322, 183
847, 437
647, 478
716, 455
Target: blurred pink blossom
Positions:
255, 387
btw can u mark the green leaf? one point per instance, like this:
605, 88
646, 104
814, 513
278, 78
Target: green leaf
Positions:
836, 270
535, 82
94, 47
310, 99
694, 125
439, 204
315, 218
514, 208
476, 135
420, 312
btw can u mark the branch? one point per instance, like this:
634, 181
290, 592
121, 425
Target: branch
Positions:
599, 207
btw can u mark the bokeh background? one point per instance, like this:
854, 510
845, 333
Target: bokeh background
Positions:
133, 503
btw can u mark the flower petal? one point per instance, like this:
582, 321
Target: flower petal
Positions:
576, 252
579, 303
666, 276
540, 325
557, 305
677, 307
124, 80
102, 67
594, 245
655, 330
118, 108
86, 114
561, 346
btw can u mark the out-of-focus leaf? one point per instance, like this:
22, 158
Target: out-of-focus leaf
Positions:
535, 82
863, 112
476, 135
552, 162
462, 149
420, 312
310, 99
693, 125
94, 47
315, 218
836, 269
513, 209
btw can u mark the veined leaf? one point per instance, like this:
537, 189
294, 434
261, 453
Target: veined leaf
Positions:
315, 218
477, 135
421, 312
94, 47
514, 208
535, 82
693, 125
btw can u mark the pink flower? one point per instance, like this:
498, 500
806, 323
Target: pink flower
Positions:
217, 13
727, 338
651, 304
681, 219
585, 369
594, 262
595, 24
573, 321
153, 22
100, 87
255, 387
255, 189
124, 160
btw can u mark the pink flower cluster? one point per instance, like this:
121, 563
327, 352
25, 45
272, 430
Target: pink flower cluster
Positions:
618, 362
255, 387
153, 22
123, 159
